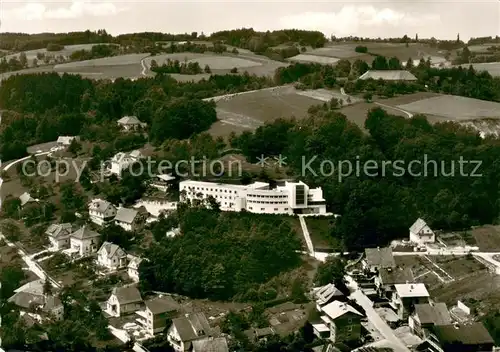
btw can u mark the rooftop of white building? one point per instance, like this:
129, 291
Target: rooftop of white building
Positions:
411, 290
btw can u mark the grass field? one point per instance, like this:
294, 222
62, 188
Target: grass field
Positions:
493, 68
67, 51
487, 238
454, 107
319, 230
251, 110
482, 47
306, 58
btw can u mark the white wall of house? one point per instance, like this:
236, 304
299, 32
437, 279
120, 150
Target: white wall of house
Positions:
112, 306
59, 244
426, 235
133, 273
175, 340
124, 225
115, 262
100, 218
86, 246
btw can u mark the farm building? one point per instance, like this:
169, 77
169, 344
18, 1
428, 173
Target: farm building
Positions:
388, 75
421, 233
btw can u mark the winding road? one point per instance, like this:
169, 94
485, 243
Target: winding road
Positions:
144, 66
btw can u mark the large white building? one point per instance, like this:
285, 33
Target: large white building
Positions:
292, 198
122, 161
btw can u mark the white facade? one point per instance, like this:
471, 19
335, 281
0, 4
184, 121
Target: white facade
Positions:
292, 198
101, 211
111, 256
84, 246
133, 268
175, 340
421, 233
121, 161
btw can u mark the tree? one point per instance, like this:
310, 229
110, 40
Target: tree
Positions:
74, 147
409, 64
361, 49
380, 63
47, 287
11, 277
331, 271
368, 97
23, 60
207, 69
234, 70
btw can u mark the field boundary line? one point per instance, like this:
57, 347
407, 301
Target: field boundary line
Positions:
423, 274
441, 269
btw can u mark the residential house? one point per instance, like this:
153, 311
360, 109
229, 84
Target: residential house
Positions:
426, 316
26, 199
156, 314
162, 182
101, 211
124, 300
326, 294
59, 234
84, 241
473, 337
421, 233
133, 267
185, 330
65, 141
388, 277
126, 218
31, 300
343, 321
218, 344
321, 330
122, 161
378, 258
130, 123
111, 256
406, 296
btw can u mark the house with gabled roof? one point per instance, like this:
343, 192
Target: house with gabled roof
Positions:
326, 294
388, 75
343, 321
124, 300
158, 312
185, 330
127, 218
111, 256
378, 258
421, 233
121, 161
426, 316
473, 337
130, 123
388, 277
65, 141
133, 267
84, 241
59, 234
101, 211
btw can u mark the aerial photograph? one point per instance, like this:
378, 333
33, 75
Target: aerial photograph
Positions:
249, 176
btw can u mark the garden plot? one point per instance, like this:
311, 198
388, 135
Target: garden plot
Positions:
324, 60
67, 51
454, 107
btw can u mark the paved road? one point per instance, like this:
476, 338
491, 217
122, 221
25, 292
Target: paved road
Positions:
409, 114
144, 67
12, 163
376, 320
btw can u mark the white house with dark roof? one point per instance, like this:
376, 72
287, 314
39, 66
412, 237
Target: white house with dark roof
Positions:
124, 300
157, 313
388, 75
133, 267
185, 330
326, 294
65, 141
101, 211
111, 256
127, 218
343, 321
378, 258
84, 241
130, 123
421, 233
59, 234
406, 296
121, 161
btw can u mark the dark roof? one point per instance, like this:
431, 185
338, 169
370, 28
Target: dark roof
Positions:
84, 233
393, 276
51, 302
162, 305
192, 327
127, 294
26, 299
381, 257
435, 313
470, 334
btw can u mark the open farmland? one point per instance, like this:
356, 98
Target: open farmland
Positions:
247, 111
493, 68
67, 51
482, 47
305, 58
487, 237
454, 107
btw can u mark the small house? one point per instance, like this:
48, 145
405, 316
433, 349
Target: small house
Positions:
130, 123
65, 141
127, 218
421, 233
185, 330
133, 268
426, 316
111, 256
378, 258
84, 241
59, 235
326, 294
101, 211
124, 300
406, 296
343, 321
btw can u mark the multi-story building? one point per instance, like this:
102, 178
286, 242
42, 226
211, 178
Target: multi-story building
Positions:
406, 296
101, 211
157, 313
122, 161
343, 321
421, 233
258, 197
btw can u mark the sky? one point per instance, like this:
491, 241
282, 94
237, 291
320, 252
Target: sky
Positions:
441, 19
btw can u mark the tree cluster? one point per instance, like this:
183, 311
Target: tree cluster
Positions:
96, 52
175, 66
